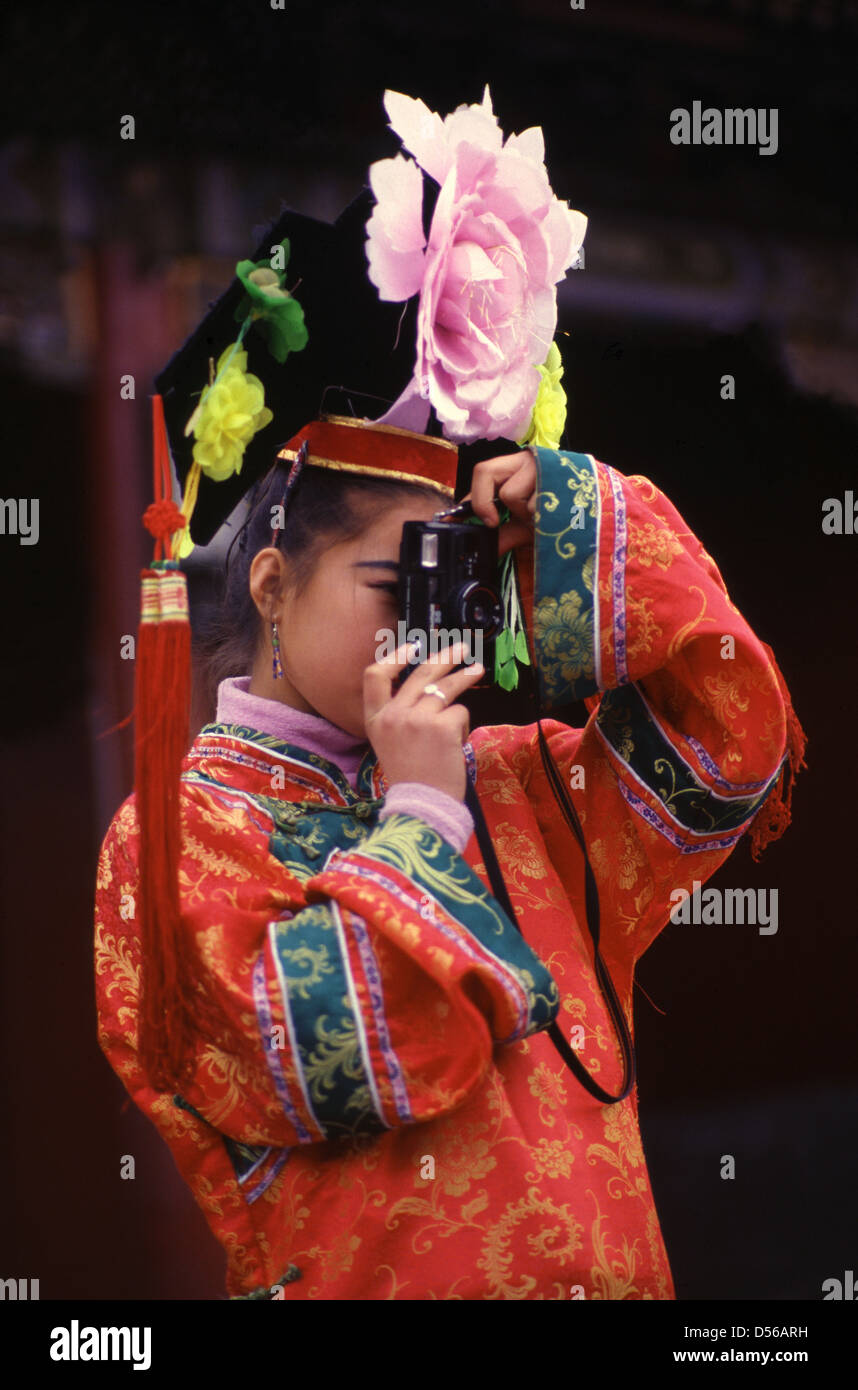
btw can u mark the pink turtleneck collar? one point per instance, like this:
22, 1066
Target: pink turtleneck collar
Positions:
235, 705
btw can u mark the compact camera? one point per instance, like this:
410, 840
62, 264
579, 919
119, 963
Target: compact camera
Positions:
448, 590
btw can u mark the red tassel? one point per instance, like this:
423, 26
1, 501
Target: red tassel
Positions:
170, 1008
775, 814
162, 698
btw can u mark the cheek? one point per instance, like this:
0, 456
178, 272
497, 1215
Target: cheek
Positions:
376, 615
348, 621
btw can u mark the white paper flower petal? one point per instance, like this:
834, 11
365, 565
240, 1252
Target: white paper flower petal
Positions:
421, 131
468, 262
395, 274
409, 411
529, 143
398, 187
565, 228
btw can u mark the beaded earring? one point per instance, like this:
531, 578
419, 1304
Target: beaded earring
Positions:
294, 474
276, 666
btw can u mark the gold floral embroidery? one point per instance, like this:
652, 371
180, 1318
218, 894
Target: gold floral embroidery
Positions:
553, 1159
680, 637
650, 544
646, 488
462, 1158
213, 862
583, 488
518, 852
548, 1088
226, 1072
501, 790
115, 955
565, 636
727, 701
312, 964
177, 1123
104, 873
125, 822
620, 1131
340, 1256
597, 1034
619, 863
556, 1237
613, 1278
337, 1049
547, 503
643, 630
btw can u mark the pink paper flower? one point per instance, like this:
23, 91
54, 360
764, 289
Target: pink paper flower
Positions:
499, 243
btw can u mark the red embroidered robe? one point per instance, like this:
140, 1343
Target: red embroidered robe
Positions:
380, 1114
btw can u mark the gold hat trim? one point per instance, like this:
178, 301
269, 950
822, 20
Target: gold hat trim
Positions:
388, 429
318, 462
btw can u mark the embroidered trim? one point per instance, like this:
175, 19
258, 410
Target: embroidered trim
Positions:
290, 1025
358, 1016
651, 759
470, 762
618, 575
715, 772
597, 556
372, 975
565, 644
325, 1026
276, 747
248, 1159
681, 843
269, 1176
233, 798
272, 1053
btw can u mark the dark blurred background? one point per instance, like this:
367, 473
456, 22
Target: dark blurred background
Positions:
700, 261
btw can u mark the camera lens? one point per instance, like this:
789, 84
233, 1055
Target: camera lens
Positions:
479, 607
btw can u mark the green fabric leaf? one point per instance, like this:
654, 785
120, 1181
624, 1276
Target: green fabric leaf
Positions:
504, 646
271, 307
521, 651
508, 676
285, 330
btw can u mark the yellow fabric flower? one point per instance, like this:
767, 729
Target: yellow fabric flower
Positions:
229, 413
549, 408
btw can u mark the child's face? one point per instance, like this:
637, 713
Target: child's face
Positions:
328, 632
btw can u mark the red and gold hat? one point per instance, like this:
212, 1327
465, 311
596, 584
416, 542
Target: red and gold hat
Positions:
365, 446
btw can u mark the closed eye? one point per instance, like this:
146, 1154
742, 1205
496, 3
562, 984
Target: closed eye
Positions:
392, 589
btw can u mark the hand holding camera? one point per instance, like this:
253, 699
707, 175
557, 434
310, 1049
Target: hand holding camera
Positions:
417, 732
511, 479
450, 602
448, 569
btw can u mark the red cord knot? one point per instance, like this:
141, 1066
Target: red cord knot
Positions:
162, 518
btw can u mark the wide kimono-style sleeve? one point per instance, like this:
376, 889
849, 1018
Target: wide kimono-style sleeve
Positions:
367, 996
687, 727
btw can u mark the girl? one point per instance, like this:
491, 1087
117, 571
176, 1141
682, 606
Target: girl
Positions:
369, 1106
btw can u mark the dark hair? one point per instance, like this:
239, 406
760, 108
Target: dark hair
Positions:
325, 503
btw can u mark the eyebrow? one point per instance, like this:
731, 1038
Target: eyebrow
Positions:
377, 564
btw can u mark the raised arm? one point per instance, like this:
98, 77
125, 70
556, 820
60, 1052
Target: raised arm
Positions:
689, 717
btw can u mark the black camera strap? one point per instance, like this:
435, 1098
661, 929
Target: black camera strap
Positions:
591, 898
